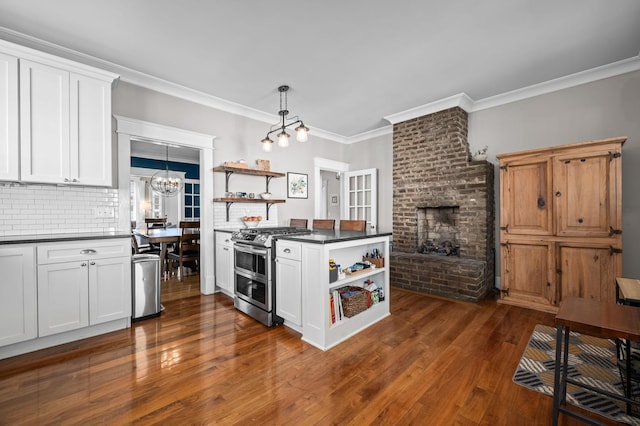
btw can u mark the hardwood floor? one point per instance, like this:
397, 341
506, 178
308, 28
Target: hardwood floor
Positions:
433, 361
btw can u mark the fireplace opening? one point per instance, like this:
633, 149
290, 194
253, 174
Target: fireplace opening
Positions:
438, 232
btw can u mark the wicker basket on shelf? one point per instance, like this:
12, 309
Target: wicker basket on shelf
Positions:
354, 300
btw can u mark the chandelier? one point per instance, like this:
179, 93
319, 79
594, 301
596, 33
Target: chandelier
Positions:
283, 136
166, 182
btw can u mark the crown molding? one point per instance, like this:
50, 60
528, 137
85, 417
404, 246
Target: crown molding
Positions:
468, 104
583, 77
361, 137
461, 100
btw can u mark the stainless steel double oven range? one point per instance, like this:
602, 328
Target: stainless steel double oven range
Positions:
254, 272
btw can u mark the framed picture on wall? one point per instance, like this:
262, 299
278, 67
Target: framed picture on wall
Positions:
297, 185
333, 199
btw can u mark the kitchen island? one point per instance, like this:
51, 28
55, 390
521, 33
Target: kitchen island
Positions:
305, 287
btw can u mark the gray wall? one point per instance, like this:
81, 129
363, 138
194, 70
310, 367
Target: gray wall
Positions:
606, 108
236, 138
598, 110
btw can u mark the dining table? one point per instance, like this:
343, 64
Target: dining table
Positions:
162, 236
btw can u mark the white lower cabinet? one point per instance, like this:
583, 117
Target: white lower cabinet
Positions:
224, 262
288, 275
93, 288
18, 310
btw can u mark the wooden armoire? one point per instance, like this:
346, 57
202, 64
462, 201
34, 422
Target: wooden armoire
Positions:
561, 223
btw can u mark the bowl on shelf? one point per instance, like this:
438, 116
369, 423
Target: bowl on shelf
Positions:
265, 195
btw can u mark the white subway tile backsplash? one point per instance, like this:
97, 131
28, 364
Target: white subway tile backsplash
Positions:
44, 209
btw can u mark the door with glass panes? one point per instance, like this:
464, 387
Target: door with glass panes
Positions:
360, 195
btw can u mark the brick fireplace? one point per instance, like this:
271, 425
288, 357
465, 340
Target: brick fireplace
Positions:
441, 196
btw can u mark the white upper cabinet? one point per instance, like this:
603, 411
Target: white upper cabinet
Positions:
44, 124
91, 148
64, 119
8, 117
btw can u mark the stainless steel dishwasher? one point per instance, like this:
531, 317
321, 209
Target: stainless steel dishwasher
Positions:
145, 282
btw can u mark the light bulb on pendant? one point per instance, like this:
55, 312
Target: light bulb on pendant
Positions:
283, 139
267, 144
301, 133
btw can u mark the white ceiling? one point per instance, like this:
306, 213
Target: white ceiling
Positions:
349, 63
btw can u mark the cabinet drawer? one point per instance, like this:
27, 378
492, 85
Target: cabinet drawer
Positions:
82, 250
288, 250
223, 238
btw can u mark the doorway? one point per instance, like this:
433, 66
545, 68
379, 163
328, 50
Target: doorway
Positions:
324, 171
129, 130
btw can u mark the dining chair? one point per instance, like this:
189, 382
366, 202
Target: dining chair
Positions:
155, 222
298, 223
324, 224
188, 250
353, 225
142, 248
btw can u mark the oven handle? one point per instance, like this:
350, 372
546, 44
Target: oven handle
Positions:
251, 250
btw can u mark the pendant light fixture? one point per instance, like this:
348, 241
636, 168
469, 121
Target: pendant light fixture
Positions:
166, 182
283, 136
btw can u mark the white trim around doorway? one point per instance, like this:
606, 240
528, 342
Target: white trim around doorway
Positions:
129, 129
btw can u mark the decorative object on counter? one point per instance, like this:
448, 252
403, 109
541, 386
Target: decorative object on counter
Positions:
480, 154
297, 184
263, 165
283, 136
252, 195
167, 183
265, 195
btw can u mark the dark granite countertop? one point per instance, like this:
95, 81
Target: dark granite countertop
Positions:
335, 236
228, 230
52, 238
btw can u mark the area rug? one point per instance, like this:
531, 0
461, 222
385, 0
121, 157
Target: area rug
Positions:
591, 361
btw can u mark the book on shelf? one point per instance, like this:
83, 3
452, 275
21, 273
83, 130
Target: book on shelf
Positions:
335, 307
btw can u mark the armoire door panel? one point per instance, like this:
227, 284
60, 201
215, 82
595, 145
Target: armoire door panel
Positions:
528, 197
583, 204
527, 272
587, 272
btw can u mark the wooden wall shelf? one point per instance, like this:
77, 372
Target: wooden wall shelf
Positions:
228, 171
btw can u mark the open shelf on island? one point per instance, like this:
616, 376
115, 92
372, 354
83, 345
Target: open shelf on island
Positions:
355, 277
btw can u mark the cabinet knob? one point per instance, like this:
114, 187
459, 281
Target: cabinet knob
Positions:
287, 250
88, 251
83, 264
580, 220
226, 249
92, 263
558, 194
66, 179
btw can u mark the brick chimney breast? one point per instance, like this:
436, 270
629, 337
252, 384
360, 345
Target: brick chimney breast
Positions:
432, 168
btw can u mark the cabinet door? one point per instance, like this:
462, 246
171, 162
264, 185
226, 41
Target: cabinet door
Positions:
585, 188
289, 290
9, 142
90, 131
224, 264
63, 293
44, 123
528, 272
526, 191
18, 314
109, 289
588, 271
